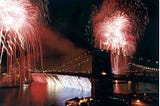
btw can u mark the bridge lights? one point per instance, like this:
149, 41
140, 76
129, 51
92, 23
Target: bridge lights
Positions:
103, 73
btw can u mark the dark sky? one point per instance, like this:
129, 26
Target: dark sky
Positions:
70, 17
149, 43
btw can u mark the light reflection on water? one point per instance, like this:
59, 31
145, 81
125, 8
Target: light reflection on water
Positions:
138, 87
40, 94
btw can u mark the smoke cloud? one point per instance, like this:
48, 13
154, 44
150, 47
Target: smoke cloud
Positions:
56, 48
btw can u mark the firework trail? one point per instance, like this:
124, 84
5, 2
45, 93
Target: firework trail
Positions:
19, 24
118, 25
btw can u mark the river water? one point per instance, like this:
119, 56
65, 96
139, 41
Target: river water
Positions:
42, 94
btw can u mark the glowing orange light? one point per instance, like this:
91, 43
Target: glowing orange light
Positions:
138, 101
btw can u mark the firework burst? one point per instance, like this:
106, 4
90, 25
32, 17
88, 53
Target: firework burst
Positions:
118, 25
19, 24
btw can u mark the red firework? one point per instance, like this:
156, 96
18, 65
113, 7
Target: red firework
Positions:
19, 23
117, 27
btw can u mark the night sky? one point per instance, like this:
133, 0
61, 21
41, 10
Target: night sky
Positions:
70, 17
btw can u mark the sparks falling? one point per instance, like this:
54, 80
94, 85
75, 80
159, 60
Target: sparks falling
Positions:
117, 26
19, 23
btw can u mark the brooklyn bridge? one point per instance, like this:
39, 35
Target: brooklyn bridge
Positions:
83, 66
81, 73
